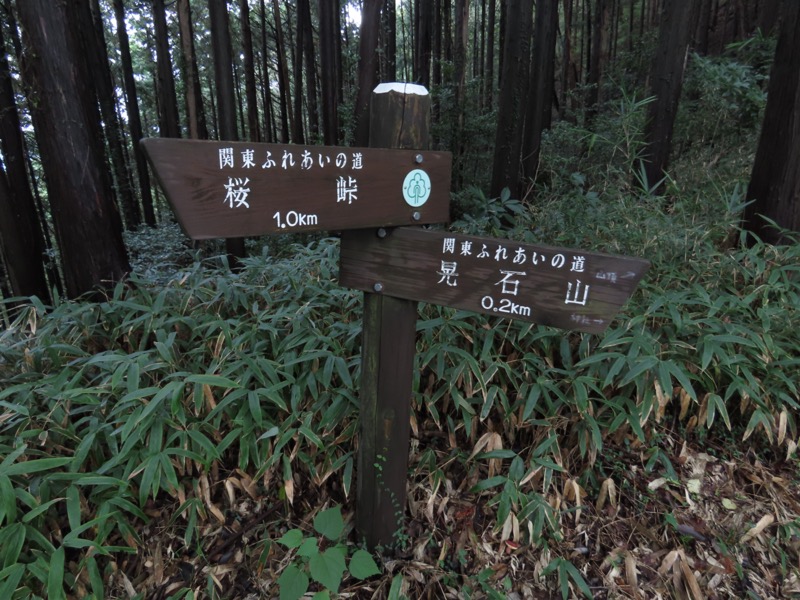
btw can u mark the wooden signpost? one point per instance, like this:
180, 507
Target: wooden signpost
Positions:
243, 189
239, 189
569, 289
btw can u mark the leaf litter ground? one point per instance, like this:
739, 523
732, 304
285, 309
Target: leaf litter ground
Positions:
723, 524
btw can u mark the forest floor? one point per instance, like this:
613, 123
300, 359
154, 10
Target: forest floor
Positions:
723, 524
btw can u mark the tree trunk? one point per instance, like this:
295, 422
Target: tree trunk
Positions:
540, 102
330, 76
283, 75
367, 68
598, 58
194, 95
768, 12
775, 181
168, 120
312, 99
226, 96
489, 84
703, 27
666, 80
423, 41
134, 118
388, 68
266, 95
88, 226
513, 92
21, 236
91, 32
253, 129
567, 83
298, 136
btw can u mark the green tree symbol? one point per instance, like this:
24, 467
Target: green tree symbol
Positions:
417, 188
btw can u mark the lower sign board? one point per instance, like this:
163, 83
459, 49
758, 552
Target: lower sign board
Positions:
242, 189
570, 289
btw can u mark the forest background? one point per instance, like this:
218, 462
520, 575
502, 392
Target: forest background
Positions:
164, 428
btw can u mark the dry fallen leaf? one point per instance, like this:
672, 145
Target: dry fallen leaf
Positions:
765, 522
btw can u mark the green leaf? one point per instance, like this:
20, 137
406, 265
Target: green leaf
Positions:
293, 583
577, 578
33, 466
488, 483
323, 595
73, 507
328, 568
329, 523
394, 590
215, 380
292, 538
55, 575
11, 577
95, 577
8, 501
309, 547
362, 565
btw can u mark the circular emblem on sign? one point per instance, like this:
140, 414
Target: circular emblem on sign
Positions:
417, 188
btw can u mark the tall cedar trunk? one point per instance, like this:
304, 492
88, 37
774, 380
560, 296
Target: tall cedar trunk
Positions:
134, 118
436, 51
226, 97
168, 121
513, 88
266, 94
423, 42
21, 239
388, 69
489, 84
93, 41
237, 89
447, 26
253, 129
775, 181
480, 60
768, 12
283, 75
598, 56
312, 100
703, 27
666, 80
540, 101
460, 72
88, 226
329, 74
367, 67
631, 10
501, 42
567, 83
194, 95
298, 136
341, 42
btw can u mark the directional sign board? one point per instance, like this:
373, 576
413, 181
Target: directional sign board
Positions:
242, 189
570, 289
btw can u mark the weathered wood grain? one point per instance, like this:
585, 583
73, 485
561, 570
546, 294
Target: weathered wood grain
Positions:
387, 354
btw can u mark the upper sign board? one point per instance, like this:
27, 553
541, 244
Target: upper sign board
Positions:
570, 289
241, 189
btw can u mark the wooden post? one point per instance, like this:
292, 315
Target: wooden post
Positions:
399, 118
